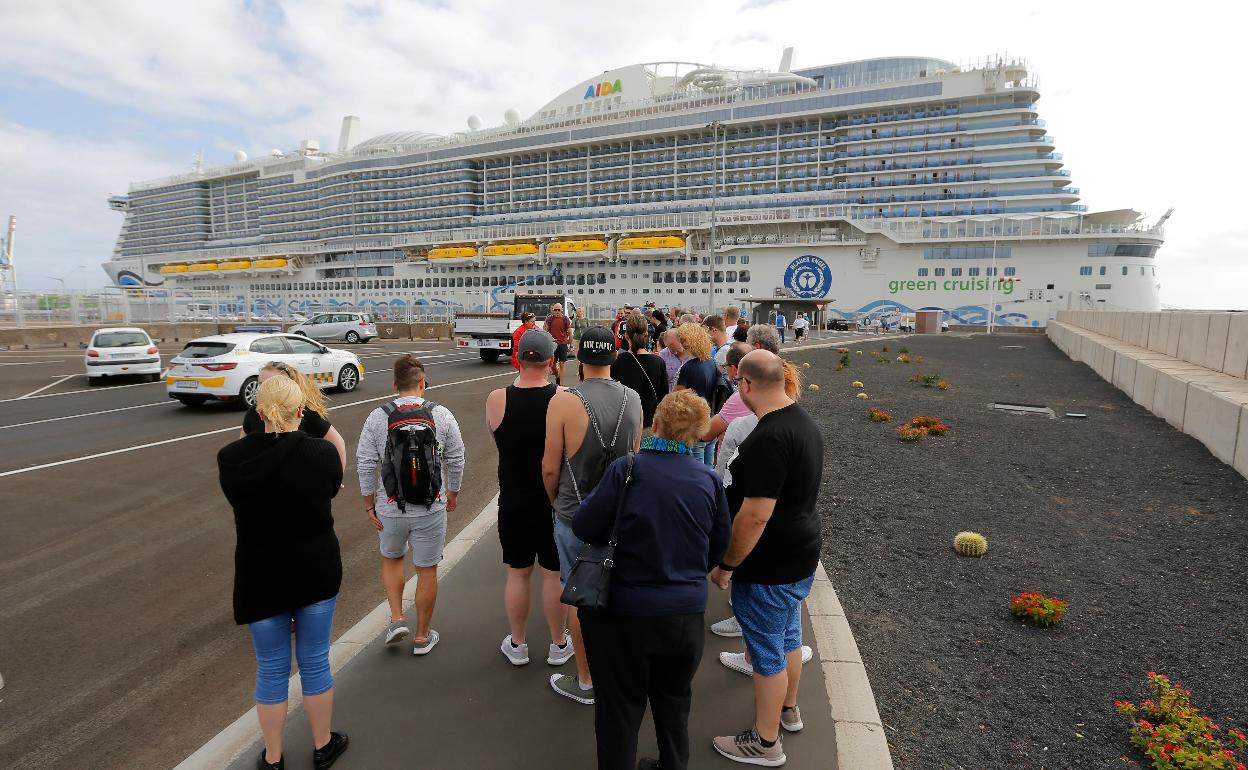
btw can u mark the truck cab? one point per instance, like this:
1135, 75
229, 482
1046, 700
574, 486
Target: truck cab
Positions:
490, 333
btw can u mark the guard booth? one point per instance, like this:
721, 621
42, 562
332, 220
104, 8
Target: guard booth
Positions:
927, 321
763, 310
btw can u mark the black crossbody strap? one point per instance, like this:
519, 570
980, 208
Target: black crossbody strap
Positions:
619, 506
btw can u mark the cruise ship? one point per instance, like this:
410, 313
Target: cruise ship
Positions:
869, 187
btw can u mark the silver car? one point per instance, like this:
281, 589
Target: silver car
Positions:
348, 327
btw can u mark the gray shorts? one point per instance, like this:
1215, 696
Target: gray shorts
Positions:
425, 536
569, 546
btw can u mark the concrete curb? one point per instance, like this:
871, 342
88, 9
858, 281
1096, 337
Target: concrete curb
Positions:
860, 740
226, 746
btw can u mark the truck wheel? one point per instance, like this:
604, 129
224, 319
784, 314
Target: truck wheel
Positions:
490, 356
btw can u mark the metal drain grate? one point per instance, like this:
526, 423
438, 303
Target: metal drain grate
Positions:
1024, 409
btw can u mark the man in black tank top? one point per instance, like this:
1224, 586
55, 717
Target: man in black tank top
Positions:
516, 415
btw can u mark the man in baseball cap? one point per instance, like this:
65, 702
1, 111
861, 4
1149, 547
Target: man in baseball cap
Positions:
536, 345
597, 347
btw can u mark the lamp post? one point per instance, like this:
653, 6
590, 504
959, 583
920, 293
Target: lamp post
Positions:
715, 126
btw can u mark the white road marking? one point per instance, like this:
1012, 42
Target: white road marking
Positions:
45, 362
88, 414
45, 387
231, 428
85, 390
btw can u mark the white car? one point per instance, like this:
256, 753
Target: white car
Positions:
348, 327
226, 367
121, 352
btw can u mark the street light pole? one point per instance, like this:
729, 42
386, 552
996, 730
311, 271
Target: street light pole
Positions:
714, 125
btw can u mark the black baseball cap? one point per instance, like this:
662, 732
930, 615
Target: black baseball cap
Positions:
597, 347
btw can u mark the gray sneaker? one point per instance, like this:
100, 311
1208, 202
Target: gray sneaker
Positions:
737, 662
729, 628
517, 655
570, 687
561, 654
791, 719
747, 748
423, 648
397, 631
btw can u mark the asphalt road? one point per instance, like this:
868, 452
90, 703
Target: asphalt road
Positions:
117, 645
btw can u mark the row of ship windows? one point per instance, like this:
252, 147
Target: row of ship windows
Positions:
955, 272
487, 281
1126, 269
290, 216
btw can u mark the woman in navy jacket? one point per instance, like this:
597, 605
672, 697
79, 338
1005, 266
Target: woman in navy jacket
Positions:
674, 527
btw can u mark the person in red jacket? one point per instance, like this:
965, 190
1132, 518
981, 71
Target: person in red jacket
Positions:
528, 322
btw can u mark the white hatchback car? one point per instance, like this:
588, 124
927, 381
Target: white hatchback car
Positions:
121, 352
226, 367
348, 327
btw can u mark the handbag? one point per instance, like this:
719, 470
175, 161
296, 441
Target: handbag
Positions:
589, 580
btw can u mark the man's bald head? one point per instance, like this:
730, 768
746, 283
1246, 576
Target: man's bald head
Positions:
764, 370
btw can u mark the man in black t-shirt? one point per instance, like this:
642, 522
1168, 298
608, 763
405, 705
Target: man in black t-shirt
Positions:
774, 551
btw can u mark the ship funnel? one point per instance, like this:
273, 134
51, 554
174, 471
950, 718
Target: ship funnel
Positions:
349, 136
786, 60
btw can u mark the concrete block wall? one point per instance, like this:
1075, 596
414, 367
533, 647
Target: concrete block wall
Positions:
1189, 368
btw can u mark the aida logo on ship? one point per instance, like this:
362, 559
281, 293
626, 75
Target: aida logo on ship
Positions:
603, 89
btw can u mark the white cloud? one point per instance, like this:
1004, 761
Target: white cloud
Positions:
1135, 95
59, 189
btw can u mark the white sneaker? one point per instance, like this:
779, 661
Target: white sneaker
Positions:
423, 648
737, 662
560, 655
729, 628
517, 655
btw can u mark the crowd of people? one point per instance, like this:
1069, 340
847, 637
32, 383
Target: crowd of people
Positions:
681, 447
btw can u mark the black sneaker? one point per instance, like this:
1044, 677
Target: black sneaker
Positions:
325, 757
262, 764
646, 763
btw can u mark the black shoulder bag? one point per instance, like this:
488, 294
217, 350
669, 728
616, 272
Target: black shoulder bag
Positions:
589, 580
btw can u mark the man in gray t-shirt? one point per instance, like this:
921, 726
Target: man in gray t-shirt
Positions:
580, 422
412, 528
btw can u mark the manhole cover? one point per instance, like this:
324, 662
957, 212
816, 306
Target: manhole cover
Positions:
1023, 409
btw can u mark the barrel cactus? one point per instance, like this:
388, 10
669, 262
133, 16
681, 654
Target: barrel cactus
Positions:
970, 544
863, 396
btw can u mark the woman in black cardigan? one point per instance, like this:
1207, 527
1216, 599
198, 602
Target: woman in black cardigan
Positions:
287, 567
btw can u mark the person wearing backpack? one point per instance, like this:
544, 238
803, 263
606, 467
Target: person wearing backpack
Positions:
587, 427
410, 461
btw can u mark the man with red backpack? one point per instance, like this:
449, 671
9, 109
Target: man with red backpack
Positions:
410, 460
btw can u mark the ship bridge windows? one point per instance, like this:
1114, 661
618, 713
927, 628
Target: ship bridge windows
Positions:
955, 272
1085, 270
1102, 271
940, 271
922, 272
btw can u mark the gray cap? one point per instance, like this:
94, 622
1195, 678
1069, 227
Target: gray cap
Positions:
535, 345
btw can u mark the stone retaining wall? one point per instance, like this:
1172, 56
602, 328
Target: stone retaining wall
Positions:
1189, 368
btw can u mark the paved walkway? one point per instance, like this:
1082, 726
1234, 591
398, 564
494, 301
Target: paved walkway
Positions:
465, 706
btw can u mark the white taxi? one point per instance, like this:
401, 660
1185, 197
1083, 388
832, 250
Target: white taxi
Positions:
226, 367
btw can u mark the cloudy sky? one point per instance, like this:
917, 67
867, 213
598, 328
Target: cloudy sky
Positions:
1142, 98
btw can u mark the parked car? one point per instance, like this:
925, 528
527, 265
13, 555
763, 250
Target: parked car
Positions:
348, 327
226, 367
121, 352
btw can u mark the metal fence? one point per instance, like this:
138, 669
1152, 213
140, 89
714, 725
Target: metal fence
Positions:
134, 306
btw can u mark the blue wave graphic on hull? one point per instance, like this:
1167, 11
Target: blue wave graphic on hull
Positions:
966, 315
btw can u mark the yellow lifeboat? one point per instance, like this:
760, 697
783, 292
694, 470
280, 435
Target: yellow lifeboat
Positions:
268, 264
651, 242
203, 267
237, 264
452, 252
170, 269
559, 247
510, 249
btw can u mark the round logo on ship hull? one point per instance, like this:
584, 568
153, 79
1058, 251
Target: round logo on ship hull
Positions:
808, 277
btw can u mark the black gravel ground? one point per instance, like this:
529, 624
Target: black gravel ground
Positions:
1132, 522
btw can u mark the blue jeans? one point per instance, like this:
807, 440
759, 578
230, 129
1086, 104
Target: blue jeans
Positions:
704, 452
271, 638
